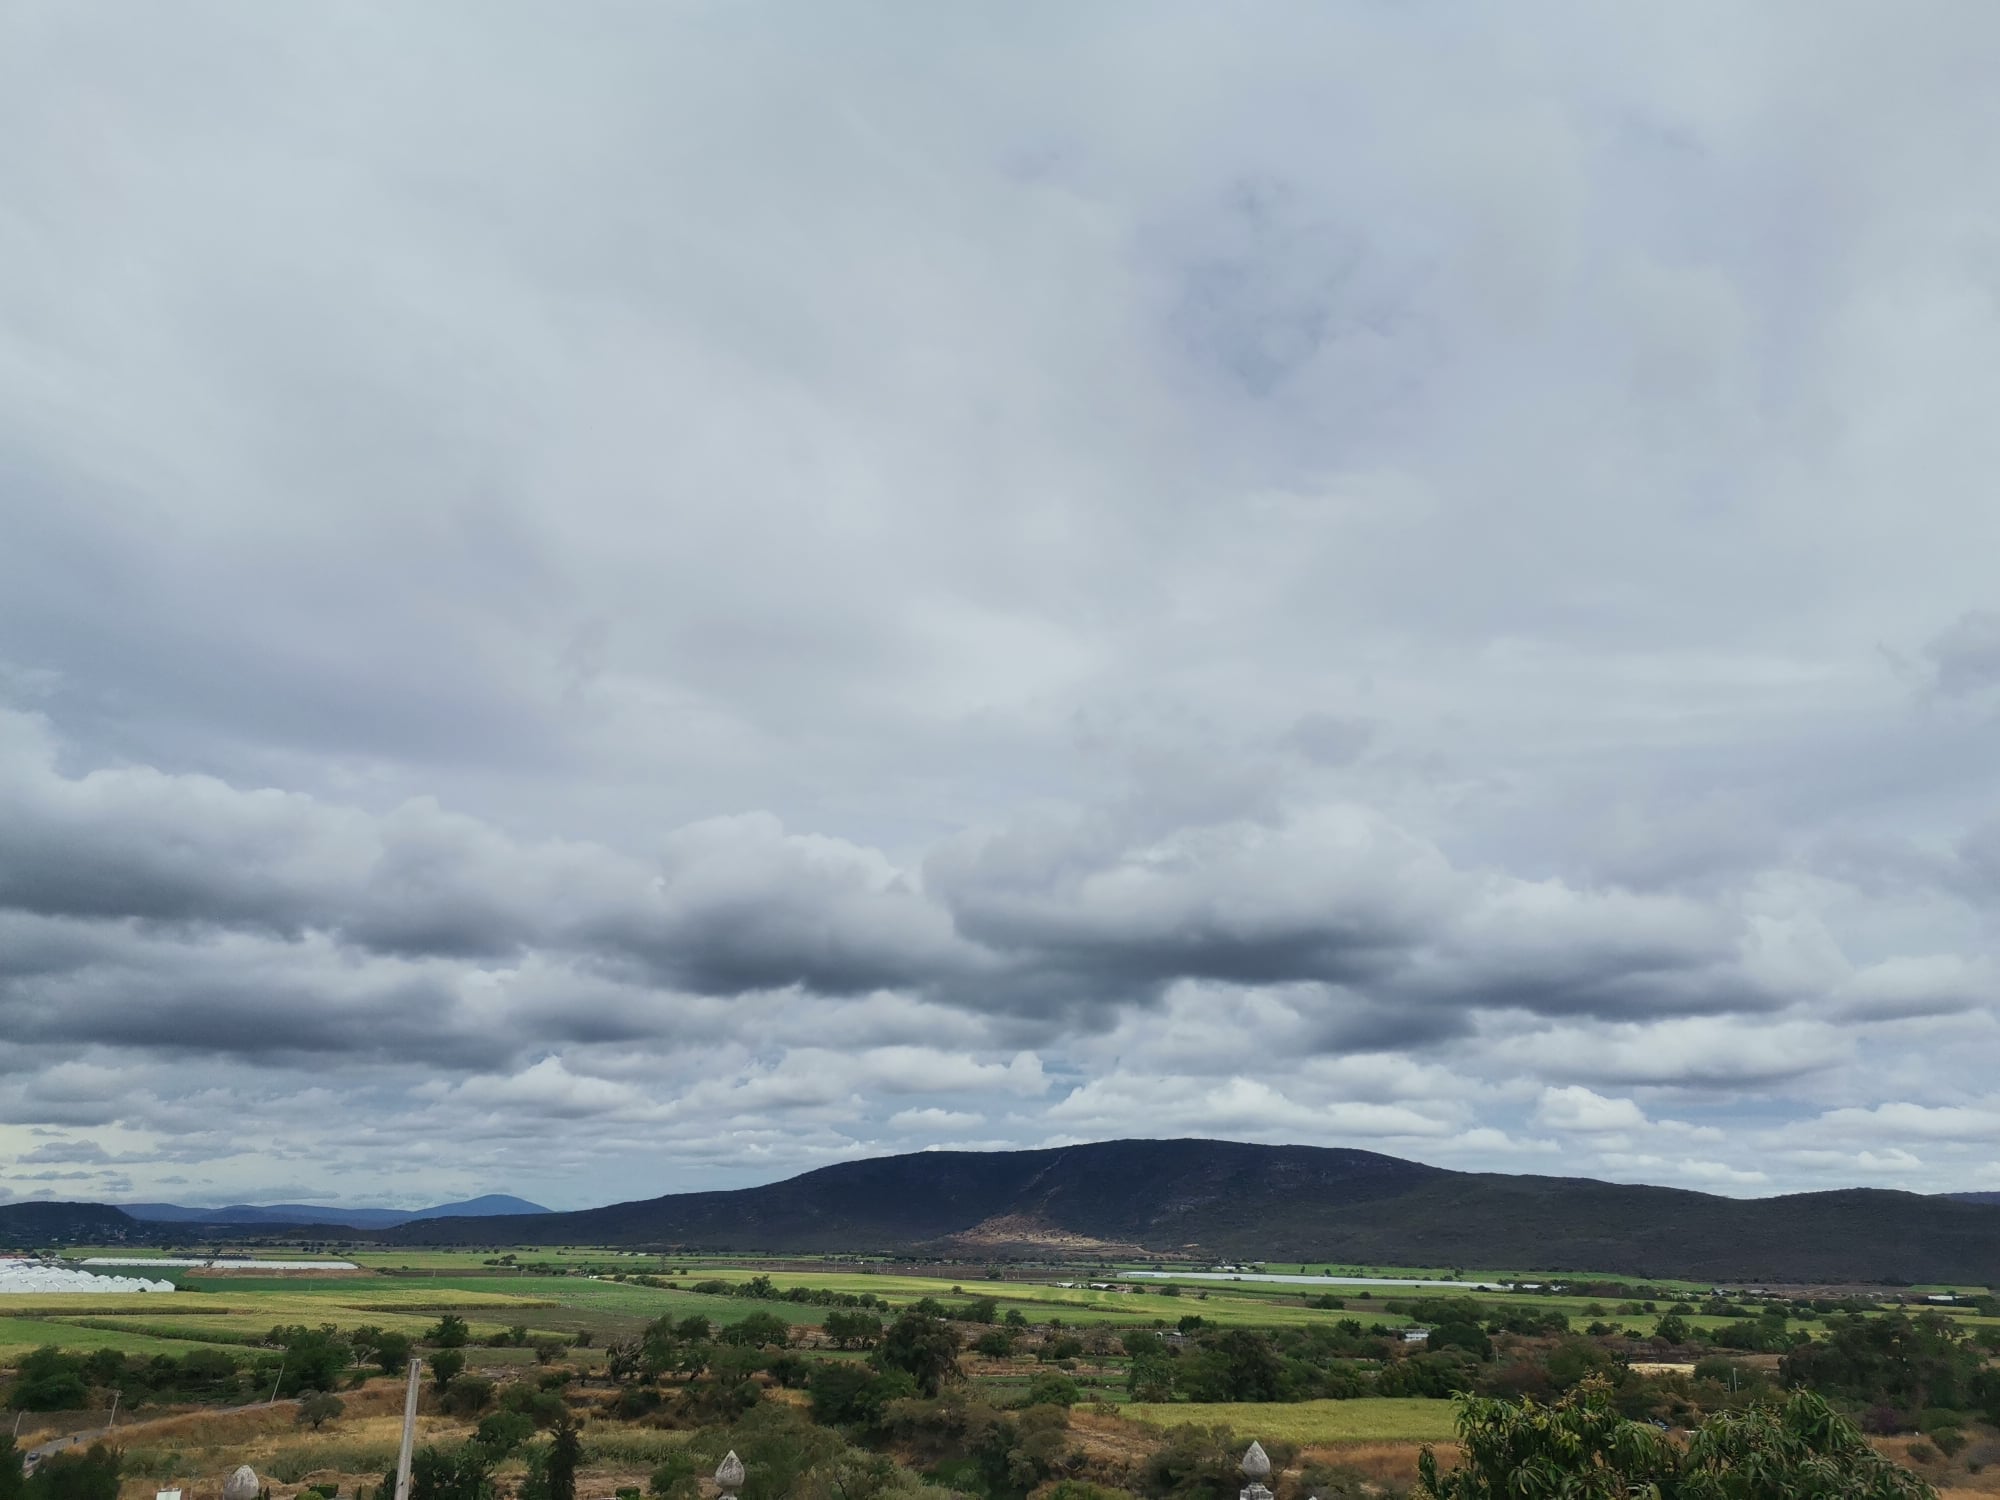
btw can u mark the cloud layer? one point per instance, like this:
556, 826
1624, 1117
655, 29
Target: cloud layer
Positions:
598, 607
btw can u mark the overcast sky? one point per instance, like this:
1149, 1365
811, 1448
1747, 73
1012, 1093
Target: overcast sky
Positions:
598, 600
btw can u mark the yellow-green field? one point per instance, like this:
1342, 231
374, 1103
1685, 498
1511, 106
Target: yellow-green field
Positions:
1368, 1419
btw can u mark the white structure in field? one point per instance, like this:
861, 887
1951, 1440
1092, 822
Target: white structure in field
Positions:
31, 1276
205, 1263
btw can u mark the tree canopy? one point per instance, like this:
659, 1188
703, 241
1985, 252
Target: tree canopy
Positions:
1580, 1448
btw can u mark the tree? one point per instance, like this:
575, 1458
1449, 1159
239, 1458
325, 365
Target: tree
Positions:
445, 1367
850, 1330
49, 1380
1580, 1448
463, 1473
467, 1395
317, 1408
449, 1332
548, 1351
1239, 1365
392, 1352
13, 1485
757, 1330
91, 1475
565, 1455
1674, 1329
503, 1432
315, 1358
846, 1394
923, 1346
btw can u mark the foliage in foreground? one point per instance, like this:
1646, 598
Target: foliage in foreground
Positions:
1580, 1448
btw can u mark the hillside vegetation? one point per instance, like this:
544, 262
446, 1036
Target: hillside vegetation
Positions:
1299, 1203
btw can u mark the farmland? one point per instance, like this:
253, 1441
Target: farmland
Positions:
628, 1340
1312, 1423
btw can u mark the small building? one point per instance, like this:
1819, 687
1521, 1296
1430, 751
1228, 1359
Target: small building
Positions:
1415, 1335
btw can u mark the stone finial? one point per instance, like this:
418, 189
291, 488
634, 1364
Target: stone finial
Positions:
242, 1485
1256, 1462
729, 1473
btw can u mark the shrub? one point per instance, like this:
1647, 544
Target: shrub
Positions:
1053, 1390
467, 1396
92, 1475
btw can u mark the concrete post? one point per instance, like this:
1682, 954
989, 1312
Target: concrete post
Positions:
409, 1433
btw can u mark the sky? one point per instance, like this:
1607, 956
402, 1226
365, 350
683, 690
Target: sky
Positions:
597, 601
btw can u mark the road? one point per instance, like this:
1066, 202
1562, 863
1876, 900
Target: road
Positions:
32, 1457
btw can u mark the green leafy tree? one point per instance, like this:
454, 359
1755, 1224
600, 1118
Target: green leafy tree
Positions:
315, 1358
1580, 1448
503, 1431
449, 1332
467, 1395
463, 1473
853, 1330
1194, 1463
757, 1331
1674, 1329
90, 1475
446, 1365
923, 1346
1239, 1365
13, 1484
853, 1395
49, 1380
392, 1352
317, 1408
552, 1466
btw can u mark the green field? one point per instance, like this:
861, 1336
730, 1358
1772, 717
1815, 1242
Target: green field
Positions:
406, 1290
1371, 1418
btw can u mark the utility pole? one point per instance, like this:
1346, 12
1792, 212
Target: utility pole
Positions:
276, 1383
409, 1433
116, 1396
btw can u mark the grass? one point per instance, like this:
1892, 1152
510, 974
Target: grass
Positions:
19, 1335
1368, 1419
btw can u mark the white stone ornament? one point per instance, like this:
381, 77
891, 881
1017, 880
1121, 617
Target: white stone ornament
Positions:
728, 1474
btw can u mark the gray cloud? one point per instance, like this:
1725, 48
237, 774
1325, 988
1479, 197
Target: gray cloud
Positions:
651, 606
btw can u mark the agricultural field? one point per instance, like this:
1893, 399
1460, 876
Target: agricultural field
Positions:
1311, 1423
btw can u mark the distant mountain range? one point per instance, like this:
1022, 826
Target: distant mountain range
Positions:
1304, 1204
313, 1213
1975, 1197
1297, 1203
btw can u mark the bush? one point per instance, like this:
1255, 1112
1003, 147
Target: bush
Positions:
678, 1478
92, 1475
504, 1431
1053, 1390
467, 1396
316, 1408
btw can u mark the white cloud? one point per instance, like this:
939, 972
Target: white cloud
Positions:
1305, 595
1577, 1108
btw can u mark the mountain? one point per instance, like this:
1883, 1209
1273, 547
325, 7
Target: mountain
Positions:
489, 1205
1974, 1197
31, 1226
1298, 1203
316, 1214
